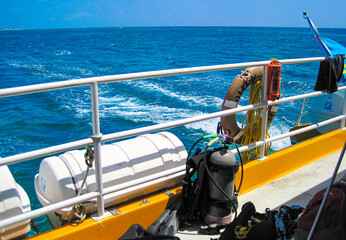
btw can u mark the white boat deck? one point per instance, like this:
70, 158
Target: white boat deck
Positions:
295, 188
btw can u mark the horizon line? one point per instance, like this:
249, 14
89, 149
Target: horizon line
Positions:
178, 26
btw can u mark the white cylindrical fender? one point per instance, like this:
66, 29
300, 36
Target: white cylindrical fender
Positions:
60, 177
13, 201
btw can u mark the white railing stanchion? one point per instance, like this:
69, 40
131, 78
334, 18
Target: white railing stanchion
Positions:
343, 121
264, 112
97, 147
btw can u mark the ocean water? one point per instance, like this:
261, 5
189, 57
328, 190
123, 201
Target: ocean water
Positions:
41, 120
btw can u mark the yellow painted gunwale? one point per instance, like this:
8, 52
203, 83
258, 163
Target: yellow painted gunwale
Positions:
280, 163
143, 212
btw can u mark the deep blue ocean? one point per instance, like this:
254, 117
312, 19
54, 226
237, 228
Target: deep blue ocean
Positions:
41, 120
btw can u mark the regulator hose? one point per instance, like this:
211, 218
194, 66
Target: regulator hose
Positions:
242, 169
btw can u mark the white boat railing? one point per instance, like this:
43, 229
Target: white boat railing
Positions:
98, 138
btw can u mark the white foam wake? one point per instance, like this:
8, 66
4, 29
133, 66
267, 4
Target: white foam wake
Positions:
205, 100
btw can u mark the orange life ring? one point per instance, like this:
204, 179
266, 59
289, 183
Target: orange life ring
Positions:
250, 76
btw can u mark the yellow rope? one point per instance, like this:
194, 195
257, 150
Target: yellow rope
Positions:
253, 123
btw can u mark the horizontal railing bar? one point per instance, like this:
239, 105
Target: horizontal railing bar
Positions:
302, 96
289, 134
248, 147
302, 60
305, 129
141, 75
45, 152
44, 210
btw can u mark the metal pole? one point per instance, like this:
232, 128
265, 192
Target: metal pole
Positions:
343, 122
97, 147
318, 216
264, 112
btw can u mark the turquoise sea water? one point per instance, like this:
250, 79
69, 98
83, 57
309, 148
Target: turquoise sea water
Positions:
41, 120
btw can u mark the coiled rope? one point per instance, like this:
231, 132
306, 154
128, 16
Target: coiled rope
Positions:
252, 124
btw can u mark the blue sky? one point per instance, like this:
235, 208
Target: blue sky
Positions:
41, 14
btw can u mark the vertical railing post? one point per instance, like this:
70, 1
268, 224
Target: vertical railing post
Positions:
97, 147
264, 112
343, 121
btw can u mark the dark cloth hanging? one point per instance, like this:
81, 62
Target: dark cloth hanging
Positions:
330, 73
